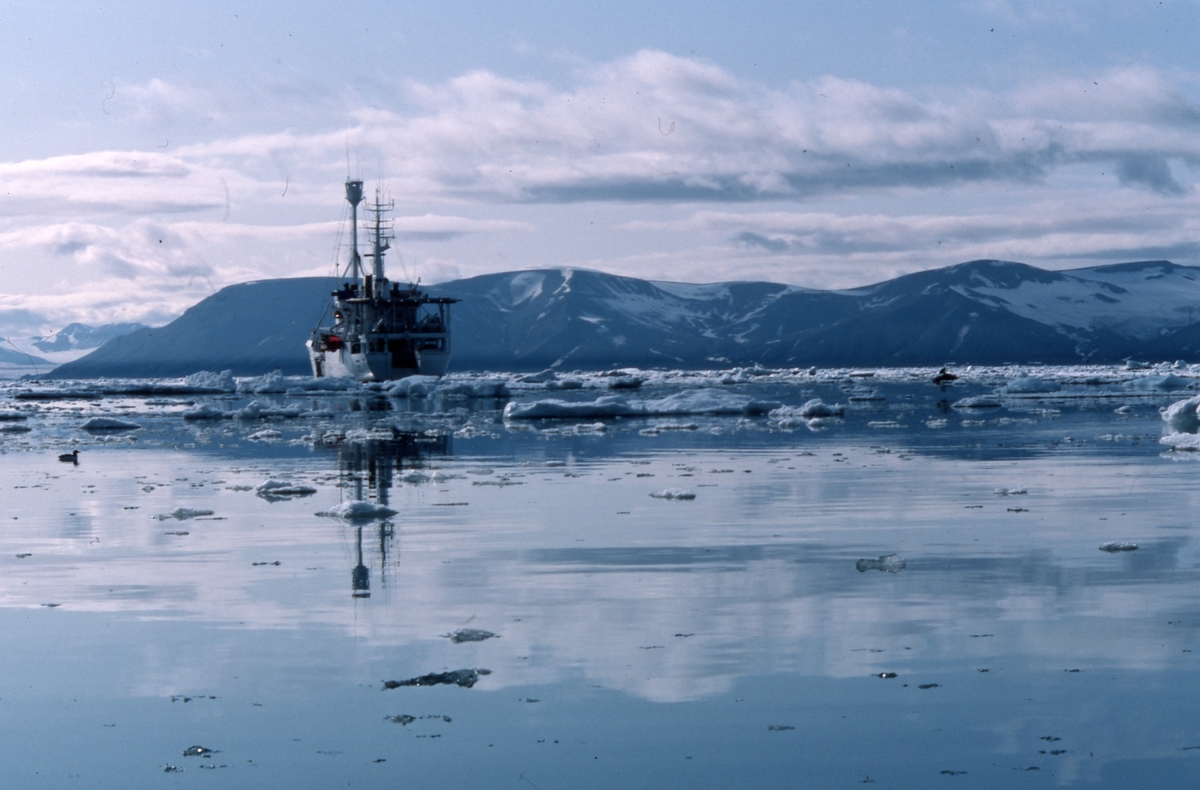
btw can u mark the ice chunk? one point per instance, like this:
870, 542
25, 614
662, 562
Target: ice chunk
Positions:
459, 677
358, 510
1112, 547
539, 378
701, 401
674, 493
818, 408
1182, 441
265, 435
256, 411
978, 402
1011, 491
552, 408
469, 635
205, 380
183, 514
1168, 383
109, 424
564, 384
281, 489
412, 387
271, 383
1030, 385
472, 388
888, 562
205, 411
1182, 416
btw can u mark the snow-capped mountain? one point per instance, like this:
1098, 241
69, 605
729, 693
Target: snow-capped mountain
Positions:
982, 312
81, 337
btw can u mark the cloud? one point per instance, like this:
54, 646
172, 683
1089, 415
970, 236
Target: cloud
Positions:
827, 181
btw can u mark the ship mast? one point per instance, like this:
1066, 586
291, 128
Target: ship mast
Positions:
354, 193
381, 235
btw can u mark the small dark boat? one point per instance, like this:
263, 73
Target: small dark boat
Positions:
944, 377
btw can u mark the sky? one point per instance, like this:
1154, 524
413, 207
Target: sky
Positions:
153, 153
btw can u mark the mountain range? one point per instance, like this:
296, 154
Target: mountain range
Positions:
981, 312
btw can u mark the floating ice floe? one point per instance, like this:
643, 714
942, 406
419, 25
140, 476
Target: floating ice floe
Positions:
433, 387
1188, 442
810, 414
1182, 416
57, 394
257, 411
538, 378
109, 424
469, 635
205, 411
1030, 385
701, 401
183, 514
272, 382
888, 562
978, 402
459, 677
265, 435
674, 493
282, 489
1011, 491
1168, 383
358, 510
1112, 547
204, 380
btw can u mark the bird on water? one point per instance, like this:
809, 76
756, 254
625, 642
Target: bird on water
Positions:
70, 458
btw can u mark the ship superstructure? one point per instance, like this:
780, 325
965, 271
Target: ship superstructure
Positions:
381, 330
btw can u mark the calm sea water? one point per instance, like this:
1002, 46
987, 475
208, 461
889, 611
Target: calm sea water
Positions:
728, 640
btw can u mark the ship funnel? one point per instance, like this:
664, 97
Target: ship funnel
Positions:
354, 192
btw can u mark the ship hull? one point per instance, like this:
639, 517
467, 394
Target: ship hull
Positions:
363, 365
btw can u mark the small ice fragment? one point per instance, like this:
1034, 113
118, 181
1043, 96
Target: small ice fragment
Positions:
1029, 385
1011, 491
265, 435
928, 686
888, 562
674, 493
280, 489
416, 478
469, 635
779, 727
355, 510
818, 408
1114, 546
459, 677
978, 402
480, 470
887, 675
205, 411
182, 514
109, 424
197, 751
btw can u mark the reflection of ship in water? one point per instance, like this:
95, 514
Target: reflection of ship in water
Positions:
368, 470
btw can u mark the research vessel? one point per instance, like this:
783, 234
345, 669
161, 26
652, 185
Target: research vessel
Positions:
381, 330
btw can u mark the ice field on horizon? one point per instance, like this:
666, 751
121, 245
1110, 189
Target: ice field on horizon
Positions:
628, 578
